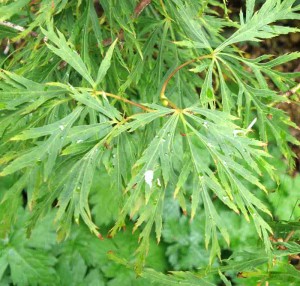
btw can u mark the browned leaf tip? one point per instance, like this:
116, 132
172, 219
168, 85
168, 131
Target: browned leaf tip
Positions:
100, 236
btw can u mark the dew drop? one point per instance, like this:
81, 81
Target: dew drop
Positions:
79, 141
61, 127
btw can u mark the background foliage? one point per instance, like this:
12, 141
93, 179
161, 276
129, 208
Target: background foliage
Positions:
146, 122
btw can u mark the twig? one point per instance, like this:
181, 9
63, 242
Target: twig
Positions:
291, 233
292, 91
103, 93
17, 28
163, 97
6, 50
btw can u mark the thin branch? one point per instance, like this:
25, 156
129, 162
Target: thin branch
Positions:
103, 93
291, 233
292, 91
17, 28
163, 97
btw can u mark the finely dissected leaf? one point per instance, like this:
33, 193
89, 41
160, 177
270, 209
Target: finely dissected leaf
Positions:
226, 93
47, 151
81, 133
207, 97
95, 103
213, 221
17, 90
227, 169
123, 161
258, 25
73, 198
186, 18
158, 149
260, 98
105, 64
66, 53
149, 216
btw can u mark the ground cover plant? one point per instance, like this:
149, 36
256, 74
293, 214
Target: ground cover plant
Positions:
141, 144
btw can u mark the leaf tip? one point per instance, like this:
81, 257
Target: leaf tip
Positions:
100, 236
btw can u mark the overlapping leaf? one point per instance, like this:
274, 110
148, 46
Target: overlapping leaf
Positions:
258, 26
66, 53
46, 151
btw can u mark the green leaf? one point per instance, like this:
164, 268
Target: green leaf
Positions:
9, 10
76, 190
92, 101
65, 52
159, 148
258, 25
27, 264
105, 64
46, 151
17, 90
